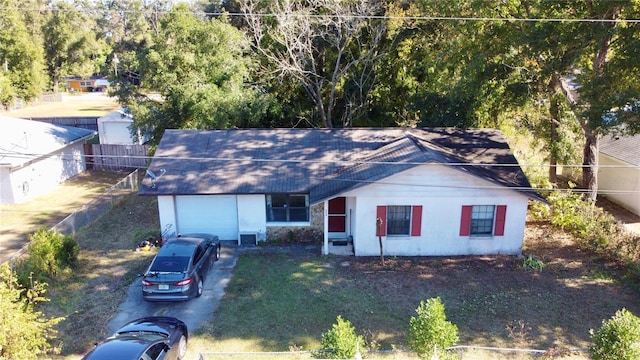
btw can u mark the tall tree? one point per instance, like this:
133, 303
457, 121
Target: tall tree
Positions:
124, 27
200, 68
70, 43
329, 47
21, 56
609, 87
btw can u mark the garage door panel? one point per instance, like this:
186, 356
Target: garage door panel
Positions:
215, 214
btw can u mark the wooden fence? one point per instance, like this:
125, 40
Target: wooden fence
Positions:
116, 157
84, 122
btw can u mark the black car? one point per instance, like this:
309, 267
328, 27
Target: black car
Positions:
179, 268
149, 338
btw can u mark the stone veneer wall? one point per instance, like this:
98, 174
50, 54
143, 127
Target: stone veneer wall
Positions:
300, 234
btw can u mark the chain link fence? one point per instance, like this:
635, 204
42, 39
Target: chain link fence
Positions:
98, 206
92, 210
463, 353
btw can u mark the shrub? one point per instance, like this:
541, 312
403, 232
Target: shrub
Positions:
24, 333
341, 340
430, 329
593, 228
531, 263
50, 253
618, 338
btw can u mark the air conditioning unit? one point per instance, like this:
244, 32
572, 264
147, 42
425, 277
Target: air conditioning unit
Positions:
248, 238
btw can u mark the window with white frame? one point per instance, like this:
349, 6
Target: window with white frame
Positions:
482, 219
287, 208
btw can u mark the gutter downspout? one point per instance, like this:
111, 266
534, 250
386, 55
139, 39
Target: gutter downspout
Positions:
325, 232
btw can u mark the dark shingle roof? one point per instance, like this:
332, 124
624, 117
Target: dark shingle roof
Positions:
321, 162
623, 148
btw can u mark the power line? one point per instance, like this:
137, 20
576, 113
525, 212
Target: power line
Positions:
324, 16
33, 156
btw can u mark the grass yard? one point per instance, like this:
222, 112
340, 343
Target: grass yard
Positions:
80, 104
279, 302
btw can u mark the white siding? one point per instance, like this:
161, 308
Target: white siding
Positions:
116, 132
167, 214
442, 192
619, 182
215, 214
42, 175
252, 215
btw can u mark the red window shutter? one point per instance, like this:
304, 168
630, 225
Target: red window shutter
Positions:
465, 220
416, 220
501, 215
381, 213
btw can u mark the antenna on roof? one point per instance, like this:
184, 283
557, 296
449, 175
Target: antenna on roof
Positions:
155, 177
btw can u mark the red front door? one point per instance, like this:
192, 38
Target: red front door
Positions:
338, 215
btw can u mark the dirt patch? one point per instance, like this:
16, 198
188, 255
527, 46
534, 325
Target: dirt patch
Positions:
495, 302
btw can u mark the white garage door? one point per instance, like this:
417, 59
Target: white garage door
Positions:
215, 214
116, 133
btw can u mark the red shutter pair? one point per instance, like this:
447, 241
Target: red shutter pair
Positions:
416, 220
465, 221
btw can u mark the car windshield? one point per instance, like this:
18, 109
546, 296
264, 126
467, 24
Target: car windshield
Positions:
144, 335
170, 264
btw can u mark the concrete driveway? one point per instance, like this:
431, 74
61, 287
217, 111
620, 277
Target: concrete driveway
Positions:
193, 312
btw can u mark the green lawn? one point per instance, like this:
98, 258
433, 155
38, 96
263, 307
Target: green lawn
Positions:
284, 302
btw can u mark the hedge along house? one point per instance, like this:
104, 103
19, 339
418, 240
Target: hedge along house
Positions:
35, 157
439, 191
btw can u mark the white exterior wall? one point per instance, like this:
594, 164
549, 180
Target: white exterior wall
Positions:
167, 214
39, 177
442, 192
619, 183
252, 216
115, 132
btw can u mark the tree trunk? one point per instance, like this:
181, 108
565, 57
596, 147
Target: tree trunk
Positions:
553, 138
555, 86
590, 164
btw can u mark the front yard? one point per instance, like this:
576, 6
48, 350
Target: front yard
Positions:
282, 302
278, 302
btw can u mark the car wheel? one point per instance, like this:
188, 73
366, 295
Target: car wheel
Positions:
200, 287
182, 347
217, 253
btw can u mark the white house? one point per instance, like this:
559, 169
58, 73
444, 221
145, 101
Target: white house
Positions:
35, 157
115, 129
619, 170
439, 191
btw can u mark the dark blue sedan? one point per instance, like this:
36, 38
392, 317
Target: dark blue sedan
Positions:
149, 338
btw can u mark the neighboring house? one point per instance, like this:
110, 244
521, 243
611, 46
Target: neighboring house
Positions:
35, 157
439, 191
94, 83
619, 170
115, 128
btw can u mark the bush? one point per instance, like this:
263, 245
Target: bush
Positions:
24, 333
430, 329
531, 263
593, 228
341, 341
50, 253
618, 338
